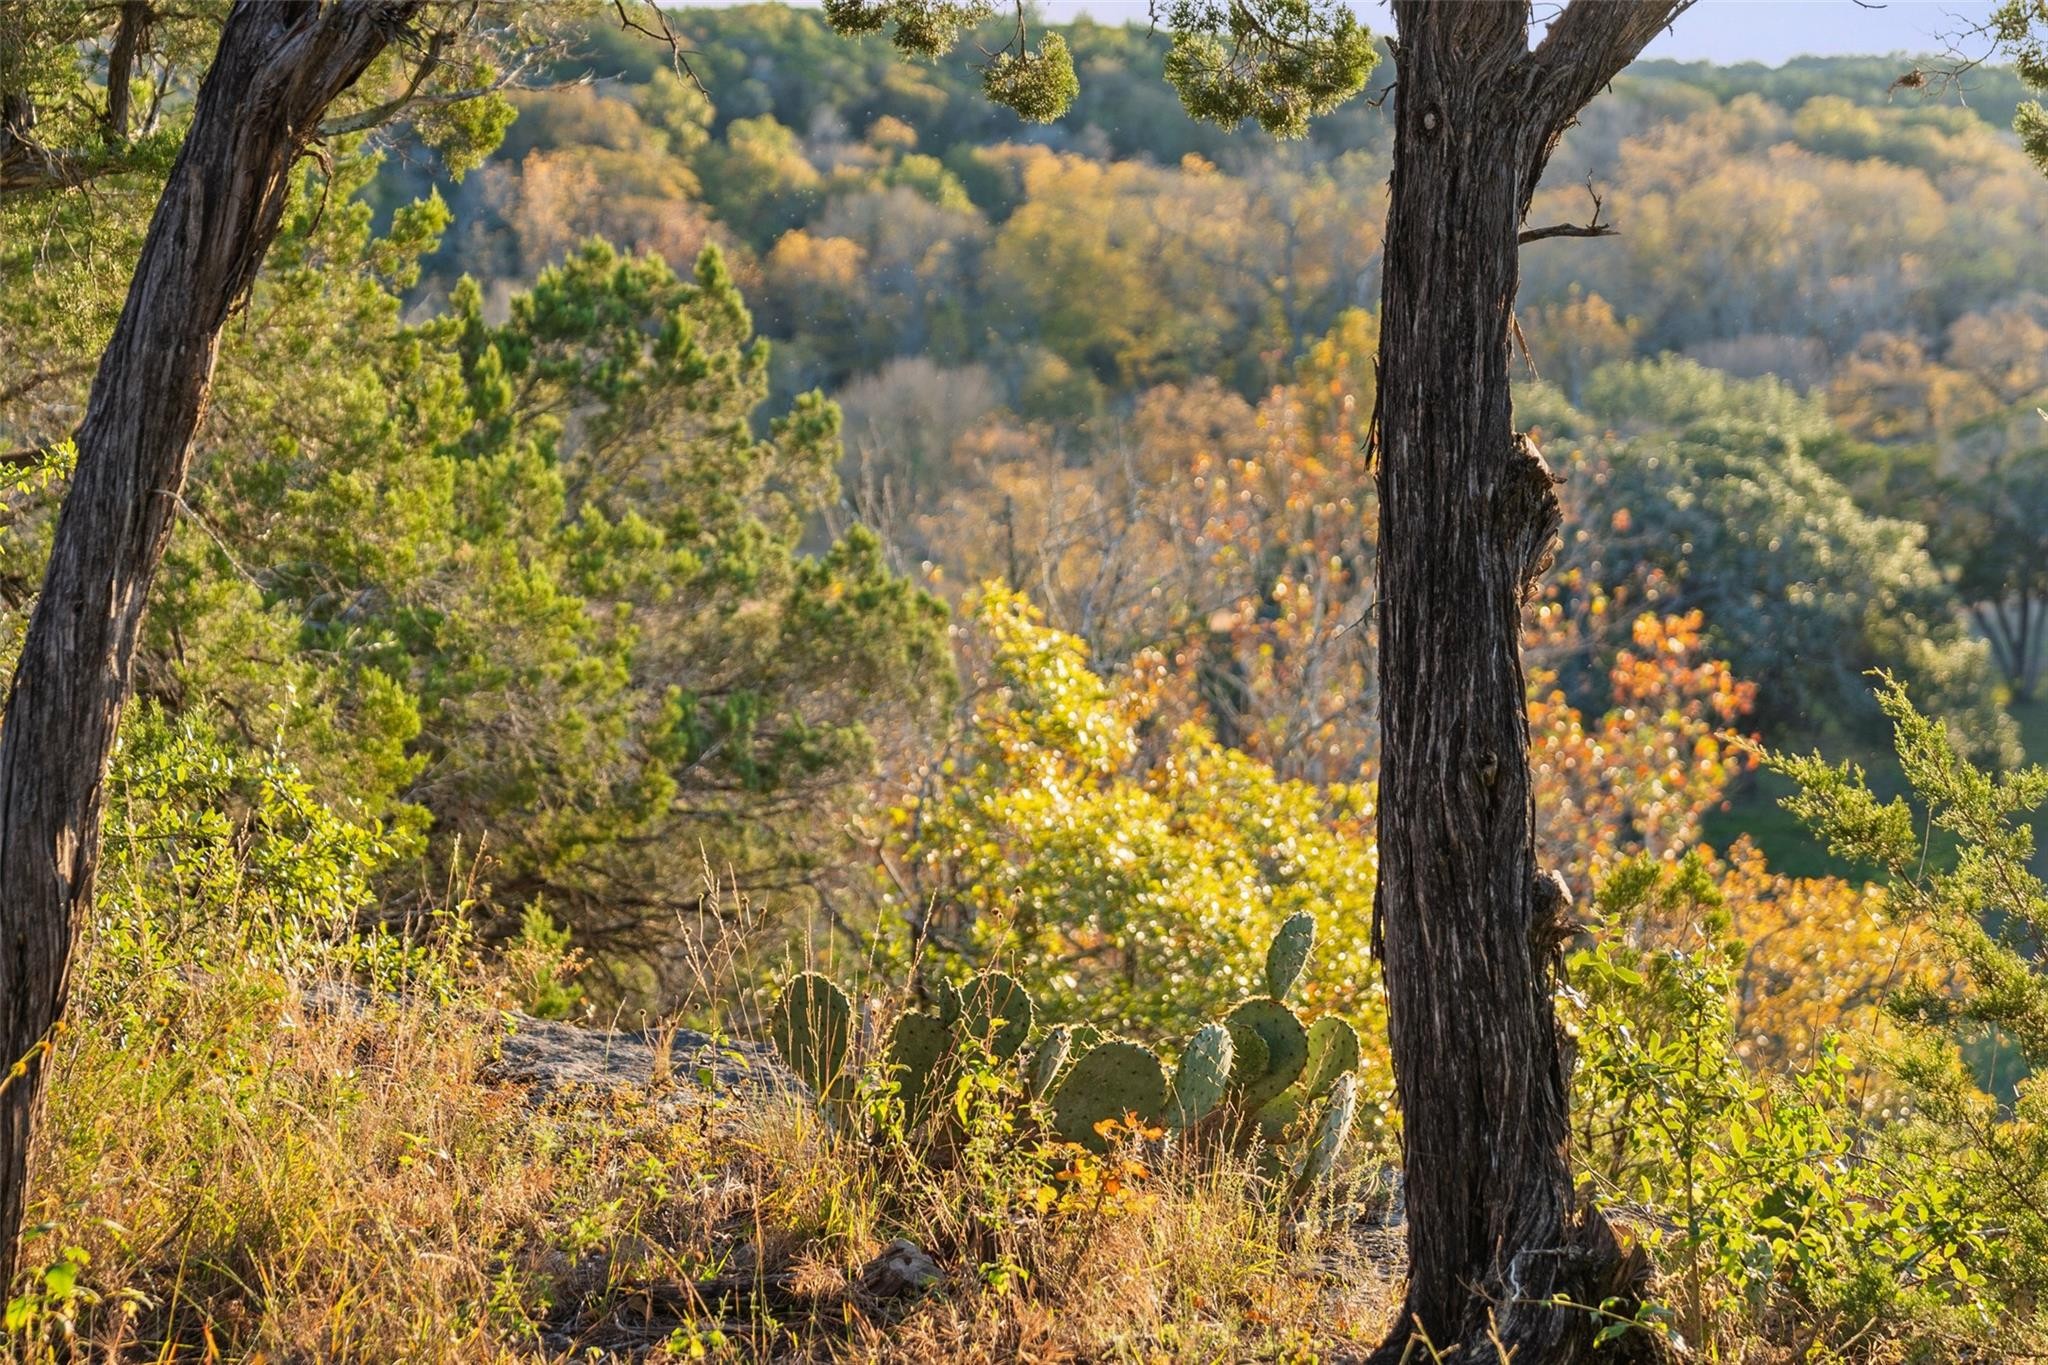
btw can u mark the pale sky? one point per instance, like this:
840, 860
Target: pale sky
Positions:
1768, 31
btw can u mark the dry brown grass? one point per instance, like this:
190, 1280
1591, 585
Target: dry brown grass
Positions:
238, 1177
250, 1180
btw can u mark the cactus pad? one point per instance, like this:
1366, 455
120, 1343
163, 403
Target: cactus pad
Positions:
1288, 957
1319, 1161
946, 996
1332, 1052
1248, 1055
812, 1026
1112, 1080
1286, 1044
1280, 1114
1200, 1079
917, 1049
996, 1010
1047, 1062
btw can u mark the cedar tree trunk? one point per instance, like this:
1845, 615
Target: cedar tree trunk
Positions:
278, 68
1464, 915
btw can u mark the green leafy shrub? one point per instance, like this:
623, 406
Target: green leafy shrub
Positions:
1773, 1205
540, 966
213, 847
1957, 864
1129, 877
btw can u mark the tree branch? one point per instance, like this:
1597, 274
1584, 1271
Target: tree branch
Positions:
128, 39
1566, 230
411, 98
1592, 227
379, 113
678, 55
1588, 45
35, 379
26, 164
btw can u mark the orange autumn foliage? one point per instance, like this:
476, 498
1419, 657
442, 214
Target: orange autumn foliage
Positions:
1639, 777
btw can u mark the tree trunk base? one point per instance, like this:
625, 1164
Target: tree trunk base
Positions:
1514, 1319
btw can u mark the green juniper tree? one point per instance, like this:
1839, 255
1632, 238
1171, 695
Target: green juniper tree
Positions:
544, 574
1957, 862
105, 94
2019, 31
534, 586
1995, 535
95, 103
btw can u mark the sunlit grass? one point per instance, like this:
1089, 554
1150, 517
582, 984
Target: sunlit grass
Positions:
243, 1177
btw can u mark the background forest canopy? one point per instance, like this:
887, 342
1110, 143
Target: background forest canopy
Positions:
654, 527
592, 514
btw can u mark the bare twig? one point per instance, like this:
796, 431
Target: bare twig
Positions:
1592, 227
35, 379
677, 53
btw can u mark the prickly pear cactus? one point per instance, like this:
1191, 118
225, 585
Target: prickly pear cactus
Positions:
946, 996
1248, 1055
1332, 1052
1047, 1062
812, 1026
1085, 1037
1280, 1114
1112, 1080
1332, 1055
917, 1050
1201, 1077
1288, 957
996, 1010
1319, 1161
1286, 1045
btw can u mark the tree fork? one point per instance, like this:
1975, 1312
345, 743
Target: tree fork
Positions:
277, 69
1467, 924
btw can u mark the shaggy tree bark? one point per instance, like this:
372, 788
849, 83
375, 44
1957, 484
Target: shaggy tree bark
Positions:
277, 69
1465, 920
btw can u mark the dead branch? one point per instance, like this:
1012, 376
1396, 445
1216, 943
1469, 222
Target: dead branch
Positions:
1592, 227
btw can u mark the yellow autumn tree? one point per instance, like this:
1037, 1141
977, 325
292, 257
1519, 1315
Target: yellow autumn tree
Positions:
1131, 884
